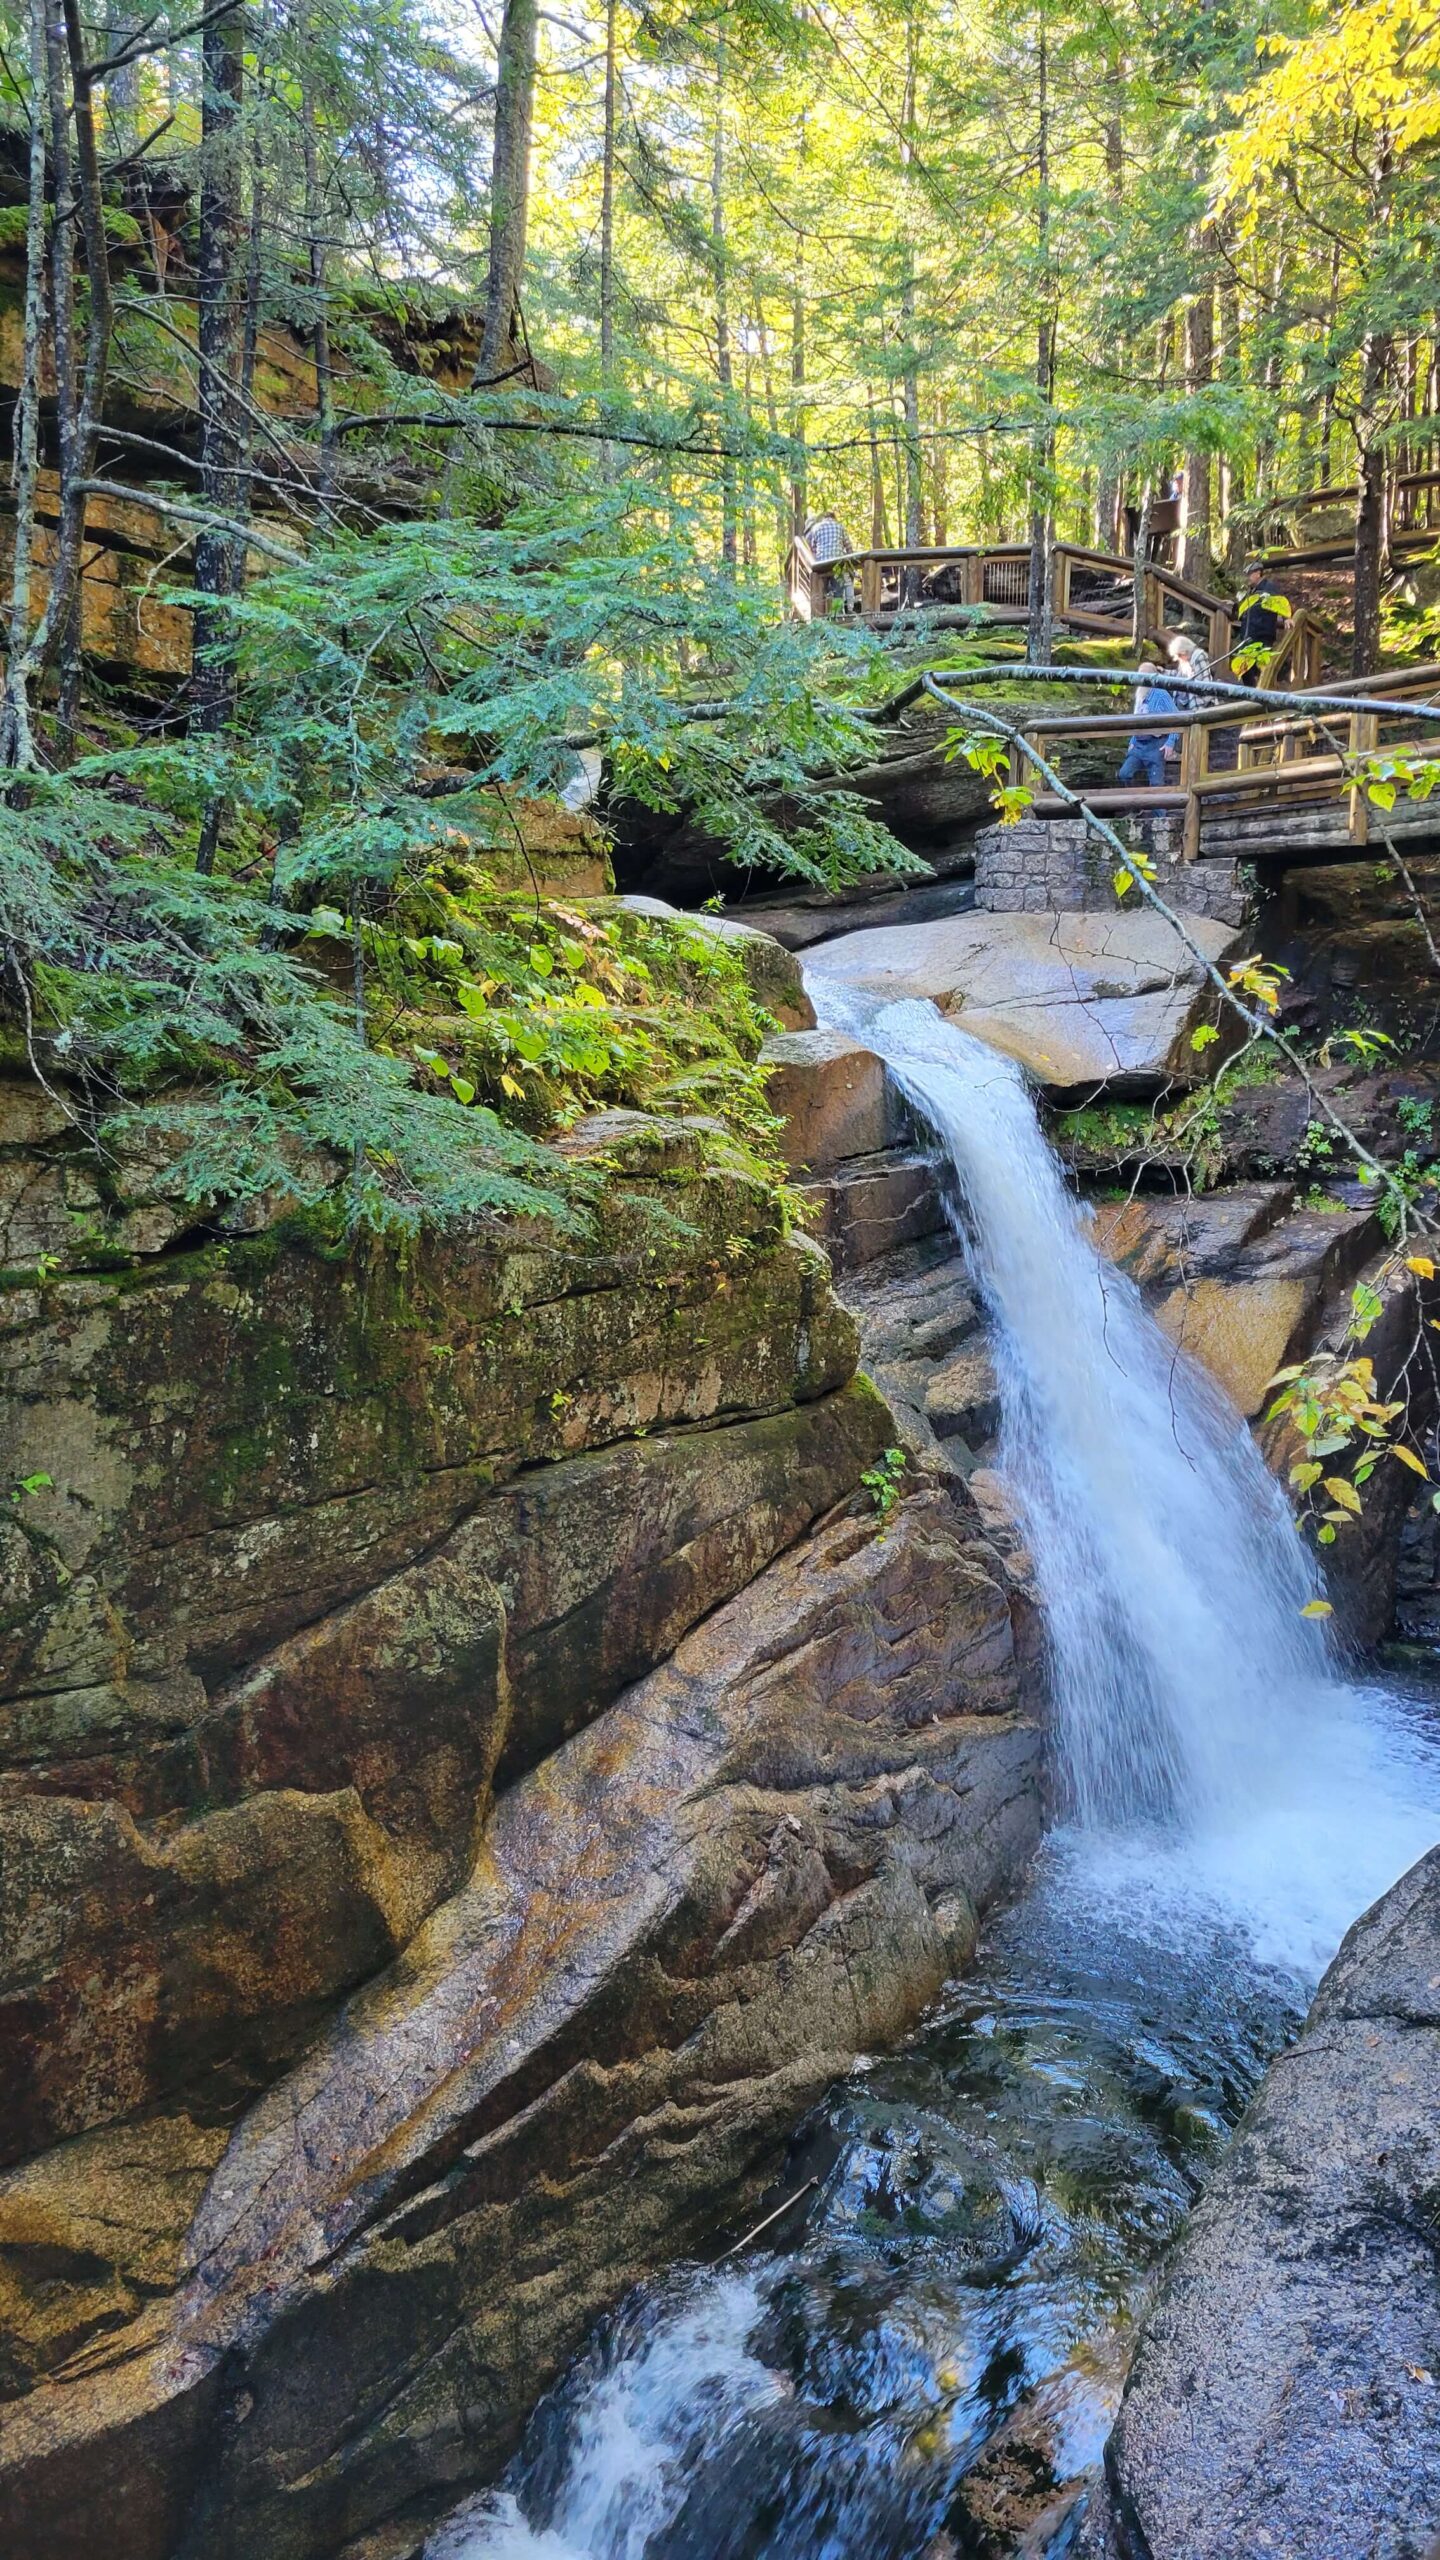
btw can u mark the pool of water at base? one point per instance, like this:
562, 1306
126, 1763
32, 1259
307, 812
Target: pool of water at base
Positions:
922, 2360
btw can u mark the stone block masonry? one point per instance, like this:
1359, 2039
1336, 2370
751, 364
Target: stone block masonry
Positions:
1054, 866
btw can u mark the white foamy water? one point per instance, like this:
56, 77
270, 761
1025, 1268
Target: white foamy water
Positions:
656, 2396
1210, 1754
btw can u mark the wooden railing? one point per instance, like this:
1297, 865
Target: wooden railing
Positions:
1093, 591
1306, 757
881, 581
1408, 485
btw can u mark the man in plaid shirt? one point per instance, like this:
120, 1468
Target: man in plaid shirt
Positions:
827, 537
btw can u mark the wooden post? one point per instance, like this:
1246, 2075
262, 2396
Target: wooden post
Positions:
974, 577
869, 585
1194, 766
1364, 738
1063, 564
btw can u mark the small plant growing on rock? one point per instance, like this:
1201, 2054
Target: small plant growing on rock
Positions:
882, 1481
1331, 1404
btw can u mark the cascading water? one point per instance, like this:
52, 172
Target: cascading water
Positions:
988, 2205
1171, 1576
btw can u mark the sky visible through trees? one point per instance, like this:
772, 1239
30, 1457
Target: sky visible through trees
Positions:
456, 379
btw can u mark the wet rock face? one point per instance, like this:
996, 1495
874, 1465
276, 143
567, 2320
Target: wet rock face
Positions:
1241, 1277
295, 1588
1283, 2397
457, 1807
764, 1857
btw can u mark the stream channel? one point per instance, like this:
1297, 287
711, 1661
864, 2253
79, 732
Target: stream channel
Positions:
920, 2359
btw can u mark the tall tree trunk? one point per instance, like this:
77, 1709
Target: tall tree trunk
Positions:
509, 182
1327, 397
249, 348
748, 549
607, 207
317, 256
877, 480
724, 368
1270, 379
1115, 126
1141, 562
772, 421
914, 516
1041, 596
1106, 521
1231, 370
799, 477
223, 72
1369, 505
17, 743
1197, 558
607, 229
69, 89
940, 472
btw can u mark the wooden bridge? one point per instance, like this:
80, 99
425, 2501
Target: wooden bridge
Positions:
1260, 790
1093, 592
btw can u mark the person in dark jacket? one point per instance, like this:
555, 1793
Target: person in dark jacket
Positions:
1257, 624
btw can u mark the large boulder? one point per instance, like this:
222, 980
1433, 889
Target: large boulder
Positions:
765, 1857
1283, 2397
773, 974
833, 1096
1239, 1278
433, 1722
1083, 1001
317, 1546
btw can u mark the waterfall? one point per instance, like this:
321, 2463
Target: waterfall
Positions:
1171, 1578
1232, 1803
1212, 1762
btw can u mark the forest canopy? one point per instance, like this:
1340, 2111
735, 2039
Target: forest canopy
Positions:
479, 371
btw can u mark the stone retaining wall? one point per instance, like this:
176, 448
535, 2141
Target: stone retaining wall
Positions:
1054, 866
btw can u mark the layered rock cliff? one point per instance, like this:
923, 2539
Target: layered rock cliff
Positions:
474, 1763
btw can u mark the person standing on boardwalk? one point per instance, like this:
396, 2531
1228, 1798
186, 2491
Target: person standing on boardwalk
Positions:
1145, 756
827, 537
1188, 659
1257, 623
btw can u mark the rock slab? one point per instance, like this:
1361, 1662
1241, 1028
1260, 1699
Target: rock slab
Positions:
764, 1857
1284, 2399
1080, 1000
833, 1096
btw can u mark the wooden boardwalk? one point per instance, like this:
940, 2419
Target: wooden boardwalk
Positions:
1094, 592
1261, 787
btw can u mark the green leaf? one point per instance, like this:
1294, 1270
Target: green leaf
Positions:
1204, 1037
462, 1088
